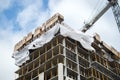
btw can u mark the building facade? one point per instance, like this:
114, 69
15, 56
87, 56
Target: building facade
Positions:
64, 58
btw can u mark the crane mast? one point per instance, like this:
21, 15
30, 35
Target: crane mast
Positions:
116, 12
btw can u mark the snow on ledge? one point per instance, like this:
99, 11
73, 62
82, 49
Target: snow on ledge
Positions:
23, 55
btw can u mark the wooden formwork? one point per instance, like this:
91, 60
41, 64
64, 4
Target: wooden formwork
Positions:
57, 18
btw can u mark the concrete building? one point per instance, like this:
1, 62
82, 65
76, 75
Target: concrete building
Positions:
65, 56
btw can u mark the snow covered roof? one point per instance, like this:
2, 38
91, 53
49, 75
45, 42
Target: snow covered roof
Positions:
23, 55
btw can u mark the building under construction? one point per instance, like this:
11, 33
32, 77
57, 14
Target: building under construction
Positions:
57, 52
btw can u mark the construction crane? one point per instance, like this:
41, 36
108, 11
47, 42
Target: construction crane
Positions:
116, 11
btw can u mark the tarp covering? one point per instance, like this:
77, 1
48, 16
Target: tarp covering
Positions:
23, 55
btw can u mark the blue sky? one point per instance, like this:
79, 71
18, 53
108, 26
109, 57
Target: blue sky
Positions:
19, 17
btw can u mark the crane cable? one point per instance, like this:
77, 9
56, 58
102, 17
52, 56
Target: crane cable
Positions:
95, 9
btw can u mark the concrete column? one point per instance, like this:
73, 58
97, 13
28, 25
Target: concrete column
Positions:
60, 71
41, 76
64, 53
78, 70
16, 76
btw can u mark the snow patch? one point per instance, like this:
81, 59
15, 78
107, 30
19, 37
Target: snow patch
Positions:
23, 55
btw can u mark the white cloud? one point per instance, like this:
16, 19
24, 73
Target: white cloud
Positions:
4, 4
7, 63
25, 3
32, 15
76, 11
8, 39
27, 16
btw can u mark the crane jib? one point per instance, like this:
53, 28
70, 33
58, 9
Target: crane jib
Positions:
116, 11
